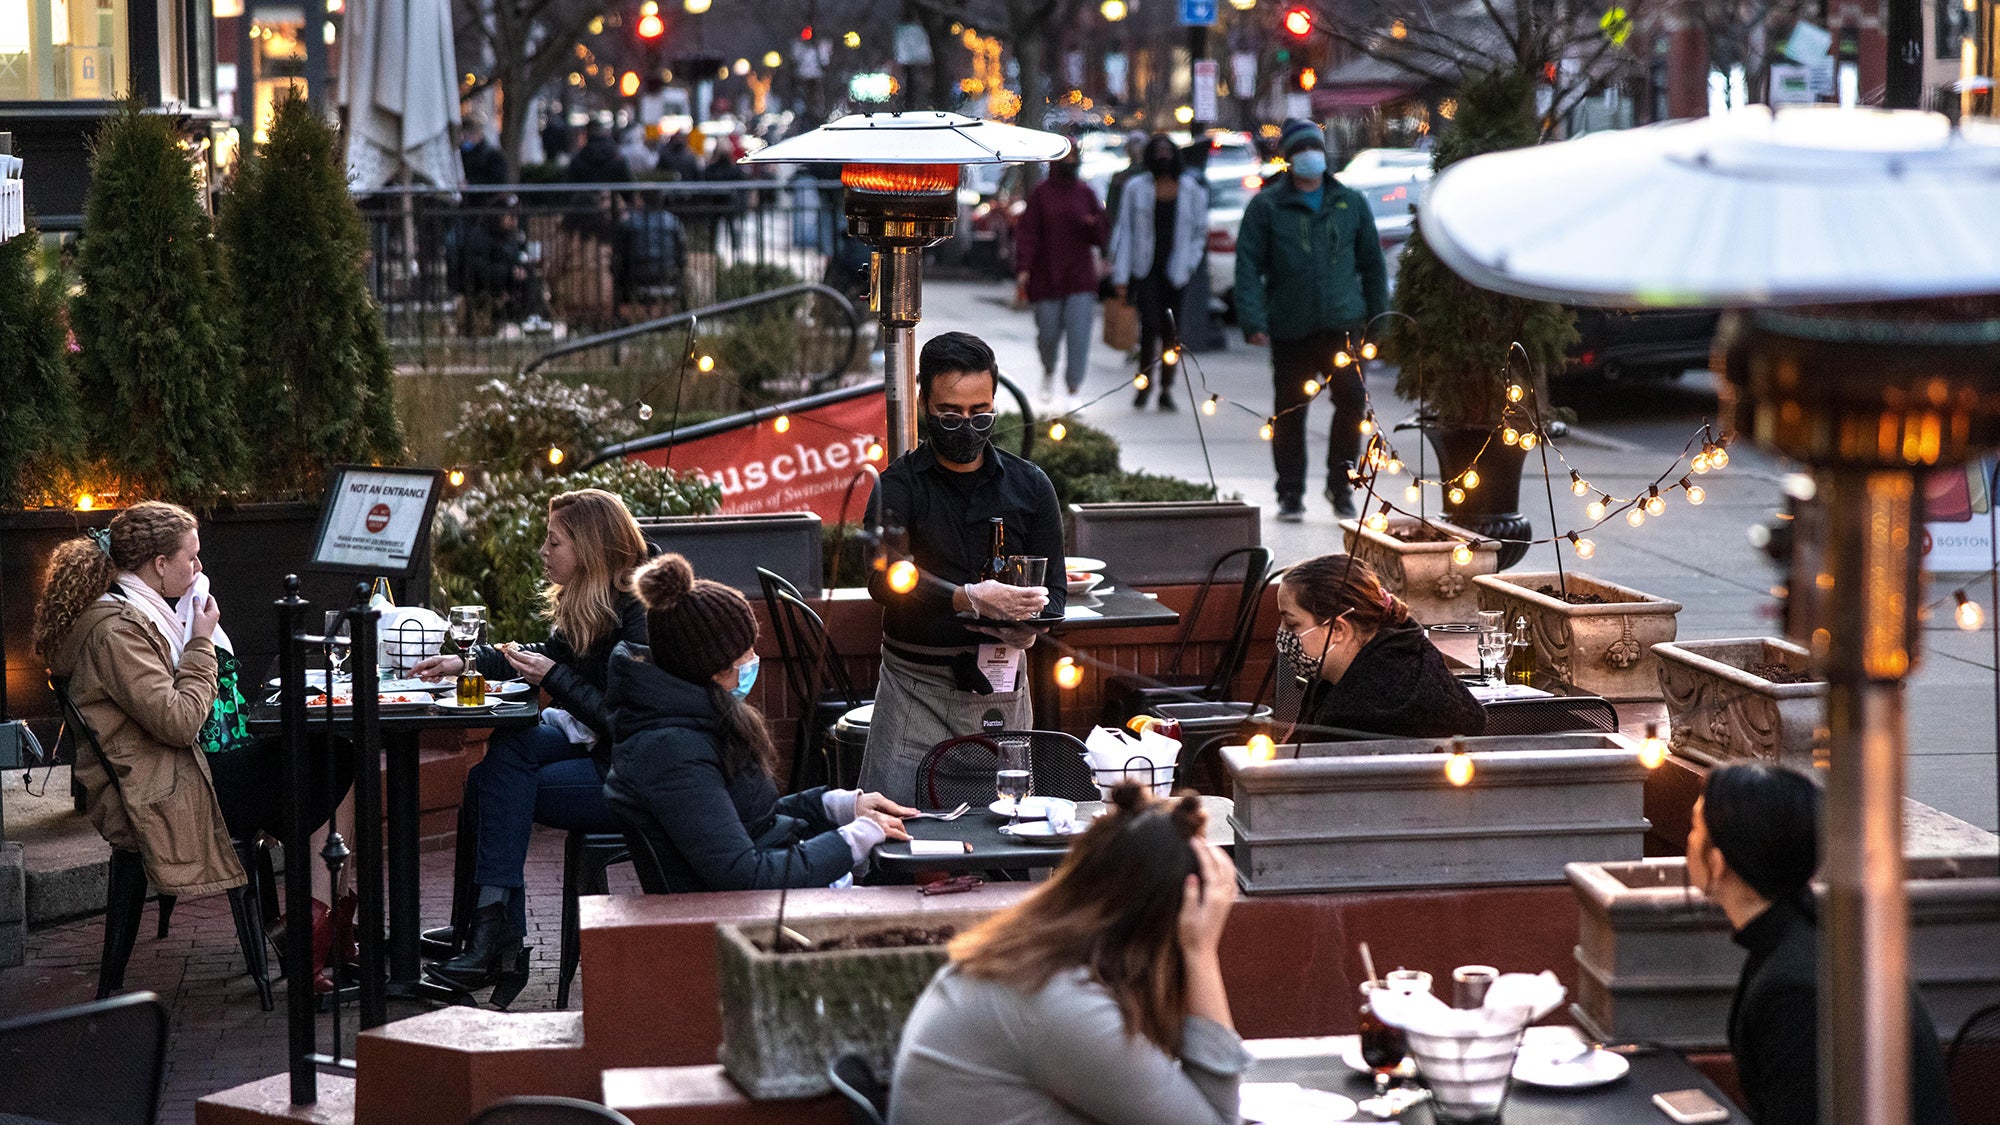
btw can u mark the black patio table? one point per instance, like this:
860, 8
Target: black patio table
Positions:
994, 850
1316, 1063
401, 733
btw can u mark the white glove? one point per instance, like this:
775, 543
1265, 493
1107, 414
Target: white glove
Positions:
1000, 602
861, 835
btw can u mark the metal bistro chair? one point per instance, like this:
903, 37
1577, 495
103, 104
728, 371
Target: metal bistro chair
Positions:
125, 892
548, 1111
867, 1096
1555, 714
961, 769
100, 1063
1126, 695
1972, 1069
821, 689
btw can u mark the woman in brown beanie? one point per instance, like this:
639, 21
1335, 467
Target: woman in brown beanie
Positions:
692, 761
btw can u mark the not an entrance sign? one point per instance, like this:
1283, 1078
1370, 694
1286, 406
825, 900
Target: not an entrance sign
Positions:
375, 519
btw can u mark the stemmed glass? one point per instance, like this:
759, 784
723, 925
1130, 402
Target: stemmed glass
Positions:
1493, 649
1014, 781
338, 643
466, 623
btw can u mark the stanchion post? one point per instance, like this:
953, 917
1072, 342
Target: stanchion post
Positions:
368, 808
301, 1004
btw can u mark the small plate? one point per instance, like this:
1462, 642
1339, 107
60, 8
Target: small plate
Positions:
1595, 1068
1083, 562
1288, 1103
414, 684
1032, 808
1351, 1055
1043, 831
315, 679
1085, 584
510, 689
449, 703
388, 703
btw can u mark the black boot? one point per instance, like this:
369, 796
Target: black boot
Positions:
491, 950
1340, 492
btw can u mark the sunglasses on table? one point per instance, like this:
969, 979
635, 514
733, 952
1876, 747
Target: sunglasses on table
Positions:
952, 421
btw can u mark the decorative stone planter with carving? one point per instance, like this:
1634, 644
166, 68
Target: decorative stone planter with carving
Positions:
1420, 570
786, 1015
1721, 711
1655, 961
1605, 648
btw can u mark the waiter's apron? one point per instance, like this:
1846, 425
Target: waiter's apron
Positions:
918, 706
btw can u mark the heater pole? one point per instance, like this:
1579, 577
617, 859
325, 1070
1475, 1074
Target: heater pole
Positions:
899, 306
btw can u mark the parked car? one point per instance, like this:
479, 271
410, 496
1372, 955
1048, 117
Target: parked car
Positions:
1371, 160
1230, 187
1393, 195
1640, 343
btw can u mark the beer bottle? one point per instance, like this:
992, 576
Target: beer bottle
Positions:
996, 554
1521, 663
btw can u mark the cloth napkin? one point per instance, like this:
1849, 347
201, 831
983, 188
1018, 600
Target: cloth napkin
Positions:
1148, 757
1514, 1001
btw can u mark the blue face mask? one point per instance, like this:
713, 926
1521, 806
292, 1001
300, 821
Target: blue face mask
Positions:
746, 678
1309, 163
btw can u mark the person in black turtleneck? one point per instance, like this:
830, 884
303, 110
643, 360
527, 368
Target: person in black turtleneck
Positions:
1378, 672
1752, 848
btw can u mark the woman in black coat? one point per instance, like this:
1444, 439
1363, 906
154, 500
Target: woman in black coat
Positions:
1364, 665
693, 762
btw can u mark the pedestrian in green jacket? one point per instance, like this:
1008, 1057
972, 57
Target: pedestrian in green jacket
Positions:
1309, 277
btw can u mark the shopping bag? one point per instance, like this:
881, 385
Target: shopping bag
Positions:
1121, 325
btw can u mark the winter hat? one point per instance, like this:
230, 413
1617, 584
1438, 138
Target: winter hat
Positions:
696, 627
1297, 134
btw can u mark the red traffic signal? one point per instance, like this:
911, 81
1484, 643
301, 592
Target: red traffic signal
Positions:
806, 34
651, 26
1299, 22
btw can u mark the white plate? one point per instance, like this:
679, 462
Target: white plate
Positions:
510, 689
1032, 808
1287, 1103
449, 703
1085, 584
1083, 562
1536, 1068
415, 684
385, 706
315, 678
1043, 830
1351, 1055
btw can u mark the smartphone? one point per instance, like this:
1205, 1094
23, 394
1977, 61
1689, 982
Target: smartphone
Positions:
1691, 1107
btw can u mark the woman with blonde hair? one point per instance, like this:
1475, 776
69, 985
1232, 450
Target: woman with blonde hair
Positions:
551, 773
1097, 998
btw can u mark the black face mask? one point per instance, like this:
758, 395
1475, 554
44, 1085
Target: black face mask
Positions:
1063, 170
1160, 165
961, 446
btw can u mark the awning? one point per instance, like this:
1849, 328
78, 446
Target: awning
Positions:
1332, 99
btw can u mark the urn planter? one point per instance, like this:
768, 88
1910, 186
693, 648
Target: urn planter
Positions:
1377, 814
786, 1015
1604, 648
1723, 711
1413, 559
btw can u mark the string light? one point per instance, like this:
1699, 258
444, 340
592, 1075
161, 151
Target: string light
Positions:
555, 455
1529, 440
1584, 547
874, 451
1695, 493
457, 478
1208, 407
1596, 509
1577, 485
1379, 521
1456, 495
1265, 431
85, 501
1057, 431
1700, 462
1719, 458
1395, 466
1368, 350
1653, 748
782, 423
1260, 748
1636, 516
1171, 356
1068, 673
1514, 392
1656, 505
902, 576
1461, 554
1970, 616
1510, 436
1458, 767
1342, 359
1413, 495
705, 364
1367, 425
1140, 382
1312, 388
1471, 478
645, 412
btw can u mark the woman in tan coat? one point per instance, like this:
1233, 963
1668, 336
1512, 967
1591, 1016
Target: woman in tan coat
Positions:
145, 684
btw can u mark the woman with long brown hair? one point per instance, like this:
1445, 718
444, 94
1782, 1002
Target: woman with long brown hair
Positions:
1363, 664
1097, 998
551, 773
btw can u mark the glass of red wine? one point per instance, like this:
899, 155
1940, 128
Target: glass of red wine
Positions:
1382, 1046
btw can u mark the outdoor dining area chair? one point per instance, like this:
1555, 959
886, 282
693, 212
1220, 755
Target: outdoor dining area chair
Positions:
100, 1063
961, 769
821, 689
1126, 695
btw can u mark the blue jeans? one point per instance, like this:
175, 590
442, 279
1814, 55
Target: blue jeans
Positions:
1065, 322
529, 777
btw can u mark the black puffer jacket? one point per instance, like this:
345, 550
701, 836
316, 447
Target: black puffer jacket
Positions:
578, 680
1397, 686
714, 832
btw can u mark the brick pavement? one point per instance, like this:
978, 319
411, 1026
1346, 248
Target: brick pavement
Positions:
219, 1037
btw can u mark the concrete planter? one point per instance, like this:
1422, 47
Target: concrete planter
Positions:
1437, 589
1655, 960
785, 1016
1162, 544
1348, 815
1722, 712
729, 549
1603, 649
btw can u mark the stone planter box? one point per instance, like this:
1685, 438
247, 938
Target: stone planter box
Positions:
1604, 649
1162, 544
1422, 574
1378, 814
1655, 961
785, 1016
1722, 712
729, 549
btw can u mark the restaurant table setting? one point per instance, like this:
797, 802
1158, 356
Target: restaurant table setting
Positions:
980, 839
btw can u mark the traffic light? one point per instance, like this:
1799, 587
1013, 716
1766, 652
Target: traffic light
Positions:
1308, 78
806, 34
651, 26
1298, 21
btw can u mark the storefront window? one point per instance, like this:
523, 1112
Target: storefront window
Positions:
63, 50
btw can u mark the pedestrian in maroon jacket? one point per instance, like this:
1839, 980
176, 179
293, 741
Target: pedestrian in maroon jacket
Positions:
1056, 268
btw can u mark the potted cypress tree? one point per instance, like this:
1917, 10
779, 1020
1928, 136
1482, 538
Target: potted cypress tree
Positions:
38, 411
323, 392
1456, 351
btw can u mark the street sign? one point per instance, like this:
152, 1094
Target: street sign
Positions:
1204, 90
1197, 13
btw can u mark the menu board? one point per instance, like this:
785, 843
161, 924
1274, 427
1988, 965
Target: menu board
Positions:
374, 520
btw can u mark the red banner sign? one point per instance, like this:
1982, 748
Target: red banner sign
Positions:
805, 468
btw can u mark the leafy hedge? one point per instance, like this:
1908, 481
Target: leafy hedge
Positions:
1084, 467
510, 425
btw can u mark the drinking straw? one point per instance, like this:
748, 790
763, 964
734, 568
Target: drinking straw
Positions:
1368, 962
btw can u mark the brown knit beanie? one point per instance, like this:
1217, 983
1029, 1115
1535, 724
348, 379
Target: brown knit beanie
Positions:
696, 627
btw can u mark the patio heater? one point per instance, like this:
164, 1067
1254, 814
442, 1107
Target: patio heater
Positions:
901, 174
1855, 256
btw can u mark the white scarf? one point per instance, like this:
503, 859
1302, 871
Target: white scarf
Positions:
176, 627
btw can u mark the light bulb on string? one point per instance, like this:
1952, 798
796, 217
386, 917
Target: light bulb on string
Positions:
1461, 554
1700, 462
782, 423
1968, 614
1367, 425
1394, 466
1510, 436
1656, 505
1653, 748
902, 576
1413, 495
1470, 479
555, 455
1312, 388
1379, 521
1636, 516
1584, 547
1368, 350
1515, 392
1529, 440
1209, 406
1260, 748
457, 478
1265, 431
1171, 356
1057, 431
1458, 766
1342, 359
1719, 459
1577, 485
874, 451
1595, 509
1696, 494
1140, 382
705, 364
1456, 495
645, 412
1068, 673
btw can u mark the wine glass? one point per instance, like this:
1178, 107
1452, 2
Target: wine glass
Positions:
1013, 781
1493, 650
466, 623
338, 643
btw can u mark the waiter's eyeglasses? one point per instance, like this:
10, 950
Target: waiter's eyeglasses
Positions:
950, 422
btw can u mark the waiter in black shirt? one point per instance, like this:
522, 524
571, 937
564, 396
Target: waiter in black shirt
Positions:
941, 673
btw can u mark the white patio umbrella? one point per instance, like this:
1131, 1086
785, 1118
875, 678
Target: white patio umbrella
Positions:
399, 81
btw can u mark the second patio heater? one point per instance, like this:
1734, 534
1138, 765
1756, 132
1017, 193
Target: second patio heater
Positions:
901, 174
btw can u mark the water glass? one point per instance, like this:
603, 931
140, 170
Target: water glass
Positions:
1493, 650
1025, 570
1014, 780
1382, 1046
338, 643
